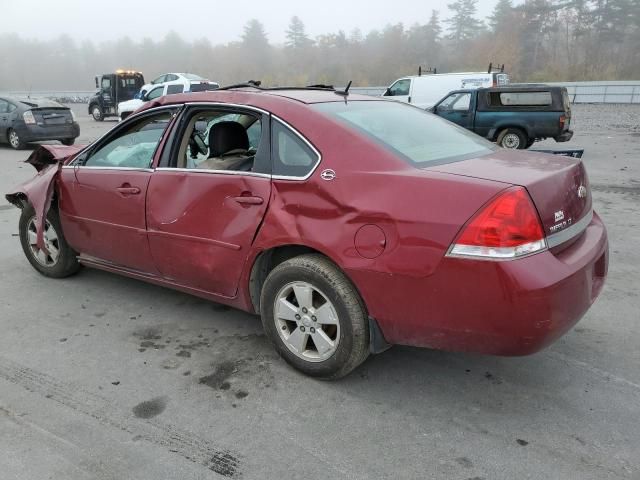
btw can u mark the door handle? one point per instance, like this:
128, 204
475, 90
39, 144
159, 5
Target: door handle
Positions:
128, 190
249, 200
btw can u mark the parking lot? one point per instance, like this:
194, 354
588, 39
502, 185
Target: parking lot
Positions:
107, 377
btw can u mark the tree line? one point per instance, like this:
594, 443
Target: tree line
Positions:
538, 40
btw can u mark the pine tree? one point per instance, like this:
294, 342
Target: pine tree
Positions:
502, 12
463, 25
254, 35
296, 34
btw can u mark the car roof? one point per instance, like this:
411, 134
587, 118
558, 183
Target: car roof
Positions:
31, 102
258, 97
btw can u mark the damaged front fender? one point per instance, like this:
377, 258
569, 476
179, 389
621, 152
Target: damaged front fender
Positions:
38, 191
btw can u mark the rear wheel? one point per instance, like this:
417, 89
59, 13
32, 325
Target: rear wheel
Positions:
512, 138
68, 141
59, 260
315, 317
14, 140
97, 113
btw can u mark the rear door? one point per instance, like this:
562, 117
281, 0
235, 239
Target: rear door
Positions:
102, 194
4, 119
202, 221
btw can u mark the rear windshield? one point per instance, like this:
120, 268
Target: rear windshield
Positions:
419, 137
520, 99
192, 76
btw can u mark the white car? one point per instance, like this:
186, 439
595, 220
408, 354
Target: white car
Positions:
167, 84
425, 90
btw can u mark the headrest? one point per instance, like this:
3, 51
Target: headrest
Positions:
225, 137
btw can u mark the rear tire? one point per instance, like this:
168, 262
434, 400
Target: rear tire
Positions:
14, 140
314, 317
97, 113
512, 138
68, 141
61, 260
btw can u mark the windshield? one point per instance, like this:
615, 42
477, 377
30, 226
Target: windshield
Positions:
419, 137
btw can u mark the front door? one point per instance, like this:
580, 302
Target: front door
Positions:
102, 196
457, 108
204, 209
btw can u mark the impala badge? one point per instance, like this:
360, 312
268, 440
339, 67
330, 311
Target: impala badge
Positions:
559, 215
582, 191
328, 174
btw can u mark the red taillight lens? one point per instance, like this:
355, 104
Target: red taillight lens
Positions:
507, 227
563, 119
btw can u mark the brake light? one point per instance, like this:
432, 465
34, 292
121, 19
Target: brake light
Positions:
28, 118
562, 120
507, 227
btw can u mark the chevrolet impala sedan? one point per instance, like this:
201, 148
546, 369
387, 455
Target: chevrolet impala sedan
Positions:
348, 223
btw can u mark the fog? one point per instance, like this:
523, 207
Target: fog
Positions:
218, 21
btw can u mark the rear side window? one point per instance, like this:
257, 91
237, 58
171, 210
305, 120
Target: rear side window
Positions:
173, 89
520, 99
292, 156
420, 138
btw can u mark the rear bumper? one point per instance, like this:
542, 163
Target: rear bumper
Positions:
502, 308
564, 136
35, 133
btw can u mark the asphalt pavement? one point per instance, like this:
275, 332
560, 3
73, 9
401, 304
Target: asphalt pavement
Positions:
104, 377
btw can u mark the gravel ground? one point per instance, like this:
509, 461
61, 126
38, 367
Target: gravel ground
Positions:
103, 377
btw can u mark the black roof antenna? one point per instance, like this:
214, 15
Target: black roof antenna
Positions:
344, 92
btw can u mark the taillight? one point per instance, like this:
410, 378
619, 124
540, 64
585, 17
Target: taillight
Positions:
28, 118
507, 227
562, 120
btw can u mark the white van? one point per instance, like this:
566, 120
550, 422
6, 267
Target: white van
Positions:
425, 90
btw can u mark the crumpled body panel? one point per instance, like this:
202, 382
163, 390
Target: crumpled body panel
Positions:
47, 160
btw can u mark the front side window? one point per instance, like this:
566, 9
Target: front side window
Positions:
171, 77
4, 106
160, 79
418, 137
134, 147
292, 156
106, 83
456, 101
400, 88
155, 93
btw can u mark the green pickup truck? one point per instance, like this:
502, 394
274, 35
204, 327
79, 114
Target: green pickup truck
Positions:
512, 116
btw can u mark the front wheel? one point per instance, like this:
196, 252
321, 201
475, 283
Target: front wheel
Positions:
315, 318
59, 260
512, 138
97, 113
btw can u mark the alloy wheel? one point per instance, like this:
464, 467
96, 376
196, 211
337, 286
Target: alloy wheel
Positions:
14, 140
307, 321
51, 241
511, 140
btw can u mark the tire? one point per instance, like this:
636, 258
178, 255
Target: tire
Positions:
68, 141
14, 140
341, 317
512, 138
60, 266
97, 113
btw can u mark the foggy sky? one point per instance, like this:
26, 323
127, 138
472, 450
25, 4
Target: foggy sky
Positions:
219, 21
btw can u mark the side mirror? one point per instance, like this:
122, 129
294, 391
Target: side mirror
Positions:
97, 83
387, 93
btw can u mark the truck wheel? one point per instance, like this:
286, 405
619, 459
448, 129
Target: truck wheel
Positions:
97, 113
60, 260
314, 317
14, 140
512, 138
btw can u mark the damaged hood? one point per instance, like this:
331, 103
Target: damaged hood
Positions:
52, 154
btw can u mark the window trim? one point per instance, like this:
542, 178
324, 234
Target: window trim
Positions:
307, 142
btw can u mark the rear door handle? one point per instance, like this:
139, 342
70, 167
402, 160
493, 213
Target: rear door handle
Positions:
249, 200
128, 190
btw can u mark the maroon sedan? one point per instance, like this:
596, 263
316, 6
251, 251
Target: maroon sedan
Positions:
347, 222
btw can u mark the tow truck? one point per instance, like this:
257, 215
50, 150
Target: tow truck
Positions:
114, 88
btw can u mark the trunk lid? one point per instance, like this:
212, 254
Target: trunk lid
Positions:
558, 186
52, 116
